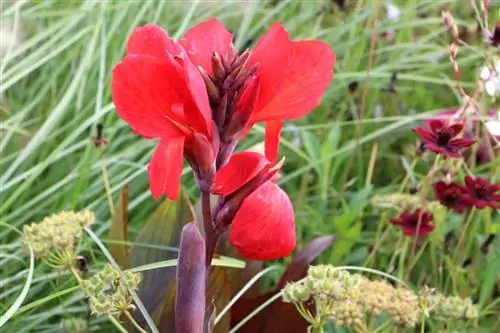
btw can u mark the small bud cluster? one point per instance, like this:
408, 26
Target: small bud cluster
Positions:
108, 293
74, 325
396, 200
402, 201
57, 232
349, 299
454, 307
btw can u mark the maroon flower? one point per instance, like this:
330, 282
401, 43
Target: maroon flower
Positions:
414, 224
494, 36
483, 154
480, 193
451, 196
442, 139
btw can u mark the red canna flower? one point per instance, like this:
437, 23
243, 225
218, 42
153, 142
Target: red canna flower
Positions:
287, 80
159, 92
441, 138
480, 193
415, 224
484, 153
198, 92
451, 196
260, 212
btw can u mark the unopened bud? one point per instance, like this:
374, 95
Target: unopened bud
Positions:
244, 107
218, 67
241, 61
453, 51
212, 91
449, 22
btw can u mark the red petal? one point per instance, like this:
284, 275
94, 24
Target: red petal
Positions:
202, 40
469, 181
242, 168
436, 124
264, 226
152, 40
273, 55
165, 168
272, 143
151, 94
455, 129
310, 71
423, 134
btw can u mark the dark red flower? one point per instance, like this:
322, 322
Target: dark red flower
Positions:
484, 153
480, 193
451, 196
414, 224
494, 36
442, 138
260, 212
159, 92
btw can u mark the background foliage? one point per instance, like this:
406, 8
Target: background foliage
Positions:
55, 90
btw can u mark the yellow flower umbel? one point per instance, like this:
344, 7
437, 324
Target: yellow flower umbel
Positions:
108, 293
54, 238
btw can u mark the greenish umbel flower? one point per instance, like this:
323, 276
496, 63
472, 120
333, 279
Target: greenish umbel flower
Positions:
350, 299
74, 325
54, 238
108, 292
437, 305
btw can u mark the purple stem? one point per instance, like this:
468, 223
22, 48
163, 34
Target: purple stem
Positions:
211, 236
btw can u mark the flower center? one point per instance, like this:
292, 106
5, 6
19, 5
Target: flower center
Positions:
443, 137
480, 191
452, 194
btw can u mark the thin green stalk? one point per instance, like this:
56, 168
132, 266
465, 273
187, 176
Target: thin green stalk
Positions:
109, 193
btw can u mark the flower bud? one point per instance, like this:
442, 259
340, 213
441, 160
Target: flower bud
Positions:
191, 280
218, 67
243, 110
212, 91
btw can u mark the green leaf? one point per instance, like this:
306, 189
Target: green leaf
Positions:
118, 231
345, 241
490, 276
312, 147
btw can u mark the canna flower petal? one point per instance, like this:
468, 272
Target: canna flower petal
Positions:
273, 56
152, 95
309, 70
204, 39
242, 168
153, 41
165, 168
264, 226
272, 140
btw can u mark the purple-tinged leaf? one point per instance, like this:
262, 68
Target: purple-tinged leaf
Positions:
163, 229
191, 282
118, 230
297, 269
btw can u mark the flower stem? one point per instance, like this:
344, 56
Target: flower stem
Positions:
211, 237
132, 320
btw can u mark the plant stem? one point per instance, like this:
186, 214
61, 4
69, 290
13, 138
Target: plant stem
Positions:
318, 329
211, 237
132, 320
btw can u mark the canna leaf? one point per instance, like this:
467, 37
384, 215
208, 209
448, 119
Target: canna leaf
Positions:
118, 231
